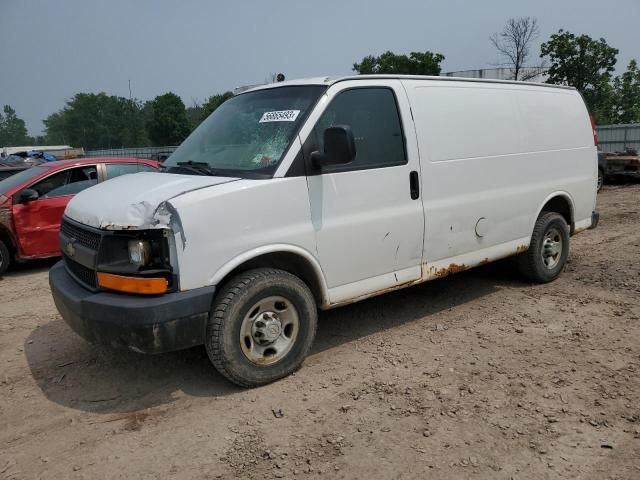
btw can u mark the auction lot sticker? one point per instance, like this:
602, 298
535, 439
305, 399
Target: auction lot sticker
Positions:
280, 116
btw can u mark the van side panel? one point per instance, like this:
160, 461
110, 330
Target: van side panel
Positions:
559, 122
489, 160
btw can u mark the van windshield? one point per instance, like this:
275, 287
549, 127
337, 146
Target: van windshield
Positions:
248, 135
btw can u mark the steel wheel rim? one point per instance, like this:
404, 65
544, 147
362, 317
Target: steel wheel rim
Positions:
552, 246
269, 330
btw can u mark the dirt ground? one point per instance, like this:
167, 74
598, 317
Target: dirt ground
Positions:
478, 375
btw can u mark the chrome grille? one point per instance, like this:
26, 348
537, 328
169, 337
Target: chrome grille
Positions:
84, 237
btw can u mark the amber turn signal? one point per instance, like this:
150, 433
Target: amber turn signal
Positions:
149, 286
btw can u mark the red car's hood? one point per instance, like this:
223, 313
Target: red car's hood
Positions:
131, 202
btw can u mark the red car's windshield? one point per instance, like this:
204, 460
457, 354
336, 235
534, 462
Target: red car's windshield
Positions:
13, 181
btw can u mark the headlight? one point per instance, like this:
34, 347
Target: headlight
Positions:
135, 258
139, 252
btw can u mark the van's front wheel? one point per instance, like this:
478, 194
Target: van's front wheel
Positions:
261, 327
548, 250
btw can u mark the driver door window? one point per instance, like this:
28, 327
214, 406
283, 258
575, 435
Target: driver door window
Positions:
373, 116
67, 182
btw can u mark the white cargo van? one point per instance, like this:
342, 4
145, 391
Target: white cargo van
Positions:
317, 193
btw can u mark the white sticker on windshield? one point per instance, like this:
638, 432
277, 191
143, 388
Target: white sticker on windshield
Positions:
280, 116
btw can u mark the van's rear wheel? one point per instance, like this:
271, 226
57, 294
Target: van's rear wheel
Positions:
261, 327
5, 257
548, 250
600, 179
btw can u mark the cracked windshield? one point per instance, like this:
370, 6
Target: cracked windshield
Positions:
248, 135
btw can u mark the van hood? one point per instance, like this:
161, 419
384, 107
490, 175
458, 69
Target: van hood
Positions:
136, 201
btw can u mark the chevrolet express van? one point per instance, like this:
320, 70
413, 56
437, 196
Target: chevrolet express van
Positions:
318, 193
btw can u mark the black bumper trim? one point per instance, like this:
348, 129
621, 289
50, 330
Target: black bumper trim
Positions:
146, 324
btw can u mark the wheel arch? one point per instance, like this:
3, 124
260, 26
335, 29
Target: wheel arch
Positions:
8, 239
290, 258
559, 202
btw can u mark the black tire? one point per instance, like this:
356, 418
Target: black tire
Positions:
600, 179
532, 263
5, 257
230, 308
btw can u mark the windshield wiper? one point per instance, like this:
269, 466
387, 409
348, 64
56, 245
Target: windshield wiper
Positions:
201, 168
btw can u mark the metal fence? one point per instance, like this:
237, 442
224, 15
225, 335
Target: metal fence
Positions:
618, 138
152, 153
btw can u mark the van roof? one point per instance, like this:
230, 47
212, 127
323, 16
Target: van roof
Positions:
332, 80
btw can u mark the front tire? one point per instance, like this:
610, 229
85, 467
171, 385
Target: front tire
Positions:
261, 327
548, 250
5, 257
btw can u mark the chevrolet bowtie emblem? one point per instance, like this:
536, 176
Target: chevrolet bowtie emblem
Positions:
69, 248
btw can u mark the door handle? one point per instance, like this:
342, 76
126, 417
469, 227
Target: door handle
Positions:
414, 185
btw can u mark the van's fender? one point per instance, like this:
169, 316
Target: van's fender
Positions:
245, 257
560, 193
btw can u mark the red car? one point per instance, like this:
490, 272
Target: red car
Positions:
32, 202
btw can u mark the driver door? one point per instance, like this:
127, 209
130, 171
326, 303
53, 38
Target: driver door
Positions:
37, 222
369, 224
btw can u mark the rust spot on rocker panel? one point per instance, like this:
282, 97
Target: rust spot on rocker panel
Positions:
484, 262
397, 286
452, 268
522, 248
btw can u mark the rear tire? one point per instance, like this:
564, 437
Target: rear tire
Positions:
5, 257
261, 327
600, 179
548, 250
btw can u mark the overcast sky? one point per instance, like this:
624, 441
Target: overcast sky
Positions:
50, 50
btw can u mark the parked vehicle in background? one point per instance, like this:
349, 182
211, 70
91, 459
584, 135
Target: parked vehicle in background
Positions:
6, 171
602, 168
33, 200
618, 164
16, 162
61, 152
22, 160
319, 193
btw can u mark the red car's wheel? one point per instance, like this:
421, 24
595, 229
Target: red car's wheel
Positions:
5, 257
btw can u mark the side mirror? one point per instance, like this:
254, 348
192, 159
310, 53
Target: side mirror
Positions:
27, 195
339, 147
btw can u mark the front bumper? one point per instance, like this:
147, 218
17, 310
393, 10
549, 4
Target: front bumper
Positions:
146, 324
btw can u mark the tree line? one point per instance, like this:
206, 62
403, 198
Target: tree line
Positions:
98, 120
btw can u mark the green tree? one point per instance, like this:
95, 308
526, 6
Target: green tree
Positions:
585, 64
417, 63
194, 115
13, 131
214, 102
96, 121
198, 113
627, 95
167, 122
